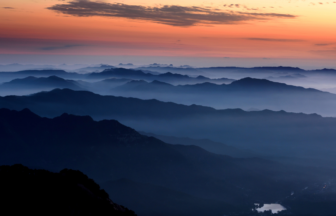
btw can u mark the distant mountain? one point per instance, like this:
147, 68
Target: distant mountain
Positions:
108, 151
247, 93
211, 146
33, 85
107, 72
166, 77
245, 85
292, 136
8, 76
97, 68
142, 86
20, 67
290, 75
40, 192
104, 86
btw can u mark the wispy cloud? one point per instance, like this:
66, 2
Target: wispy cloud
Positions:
324, 44
240, 6
10, 8
60, 47
34, 44
328, 52
274, 39
173, 15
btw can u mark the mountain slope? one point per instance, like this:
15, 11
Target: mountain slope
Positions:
211, 146
31, 84
40, 192
108, 151
267, 132
246, 94
165, 77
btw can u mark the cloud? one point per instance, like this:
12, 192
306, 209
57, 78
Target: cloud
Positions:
40, 45
34, 44
327, 53
240, 6
274, 39
232, 5
173, 15
10, 8
324, 44
59, 47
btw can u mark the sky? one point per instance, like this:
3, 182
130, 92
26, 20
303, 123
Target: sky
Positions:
281, 30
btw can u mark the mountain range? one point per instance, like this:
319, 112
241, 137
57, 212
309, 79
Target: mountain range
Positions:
144, 168
289, 136
169, 77
112, 73
32, 84
209, 145
247, 93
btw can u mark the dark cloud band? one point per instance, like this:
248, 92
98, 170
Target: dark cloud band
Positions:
275, 39
173, 15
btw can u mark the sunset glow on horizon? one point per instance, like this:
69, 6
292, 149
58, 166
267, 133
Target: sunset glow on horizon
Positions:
237, 29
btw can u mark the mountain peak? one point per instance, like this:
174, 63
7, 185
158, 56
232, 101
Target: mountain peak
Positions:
253, 82
54, 77
156, 82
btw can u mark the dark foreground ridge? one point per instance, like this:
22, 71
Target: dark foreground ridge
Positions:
26, 191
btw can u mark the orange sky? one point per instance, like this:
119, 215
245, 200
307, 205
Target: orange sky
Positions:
267, 29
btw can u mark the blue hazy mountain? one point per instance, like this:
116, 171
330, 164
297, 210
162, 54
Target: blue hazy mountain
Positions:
245, 93
288, 136
320, 78
104, 86
96, 68
8, 76
165, 77
246, 85
209, 145
40, 192
32, 84
108, 151
113, 73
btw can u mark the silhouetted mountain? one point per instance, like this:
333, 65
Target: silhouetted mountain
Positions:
155, 87
26, 191
325, 70
166, 77
43, 82
120, 73
246, 85
263, 85
32, 85
318, 79
114, 81
57, 102
108, 151
280, 68
8, 76
266, 132
222, 70
104, 86
97, 68
245, 93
